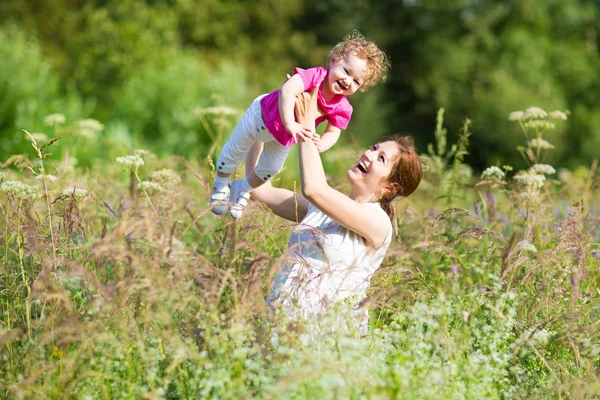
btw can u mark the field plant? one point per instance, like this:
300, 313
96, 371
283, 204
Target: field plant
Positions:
117, 282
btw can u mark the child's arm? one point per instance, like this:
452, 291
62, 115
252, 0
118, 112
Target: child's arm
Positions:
287, 100
328, 138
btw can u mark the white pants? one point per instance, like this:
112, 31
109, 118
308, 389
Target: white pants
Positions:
249, 130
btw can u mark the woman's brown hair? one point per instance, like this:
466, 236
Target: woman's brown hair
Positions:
406, 173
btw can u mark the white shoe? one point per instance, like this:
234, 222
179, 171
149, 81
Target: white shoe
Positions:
220, 198
239, 198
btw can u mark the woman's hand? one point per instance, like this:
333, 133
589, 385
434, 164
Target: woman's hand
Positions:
307, 109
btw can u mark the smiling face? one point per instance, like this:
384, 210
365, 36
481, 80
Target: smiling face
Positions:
345, 76
367, 177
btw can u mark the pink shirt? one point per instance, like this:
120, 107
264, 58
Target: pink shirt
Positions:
338, 110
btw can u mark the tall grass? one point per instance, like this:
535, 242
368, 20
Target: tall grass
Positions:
118, 282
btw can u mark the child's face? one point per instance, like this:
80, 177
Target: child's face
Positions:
346, 75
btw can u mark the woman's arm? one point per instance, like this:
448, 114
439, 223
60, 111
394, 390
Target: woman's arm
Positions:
358, 217
285, 203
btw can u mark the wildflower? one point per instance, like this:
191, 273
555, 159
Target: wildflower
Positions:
535, 181
48, 177
54, 119
542, 169
76, 192
493, 173
142, 153
218, 110
89, 127
516, 116
39, 137
540, 143
528, 247
538, 337
539, 124
534, 113
165, 174
558, 115
151, 186
18, 189
131, 161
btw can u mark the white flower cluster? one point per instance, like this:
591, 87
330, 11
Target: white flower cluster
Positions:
544, 169
76, 192
151, 186
39, 137
540, 143
48, 177
54, 119
18, 189
538, 337
493, 173
516, 116
534, 113
88, 127
130, 161
166, 175
528, 247
535, 181
539, 124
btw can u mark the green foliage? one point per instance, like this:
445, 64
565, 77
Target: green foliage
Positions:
30, 91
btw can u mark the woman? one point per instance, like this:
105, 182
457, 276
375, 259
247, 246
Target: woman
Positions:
342, 239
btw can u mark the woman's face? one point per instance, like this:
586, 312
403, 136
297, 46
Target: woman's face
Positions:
373, 166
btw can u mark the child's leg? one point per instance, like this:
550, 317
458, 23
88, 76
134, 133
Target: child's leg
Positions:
270, 162
235, 149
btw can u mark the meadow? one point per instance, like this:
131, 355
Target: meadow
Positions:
117, 282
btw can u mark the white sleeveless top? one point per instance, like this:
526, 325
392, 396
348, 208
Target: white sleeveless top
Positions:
327, 264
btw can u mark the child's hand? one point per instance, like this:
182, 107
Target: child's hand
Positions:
297, 131
317, 141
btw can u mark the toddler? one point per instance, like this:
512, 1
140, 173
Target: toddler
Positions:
354, 64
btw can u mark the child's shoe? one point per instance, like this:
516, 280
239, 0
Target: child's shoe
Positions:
219, 198
240, 199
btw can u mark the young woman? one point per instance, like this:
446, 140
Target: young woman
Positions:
341, 239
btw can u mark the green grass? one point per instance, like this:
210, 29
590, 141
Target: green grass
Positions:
116, 288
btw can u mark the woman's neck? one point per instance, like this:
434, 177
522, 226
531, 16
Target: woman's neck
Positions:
361, 197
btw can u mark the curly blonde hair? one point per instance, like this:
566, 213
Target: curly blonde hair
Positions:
377, 61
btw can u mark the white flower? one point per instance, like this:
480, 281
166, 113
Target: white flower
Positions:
167, 176
516, 116
150, 186
18, 189
131, 161
541, 143
542, 169
558, 115
49, 178
39, 137
538, 124
493, 173
535, 113
54, 119
89, 127
528, 247
530, 179
78, 193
